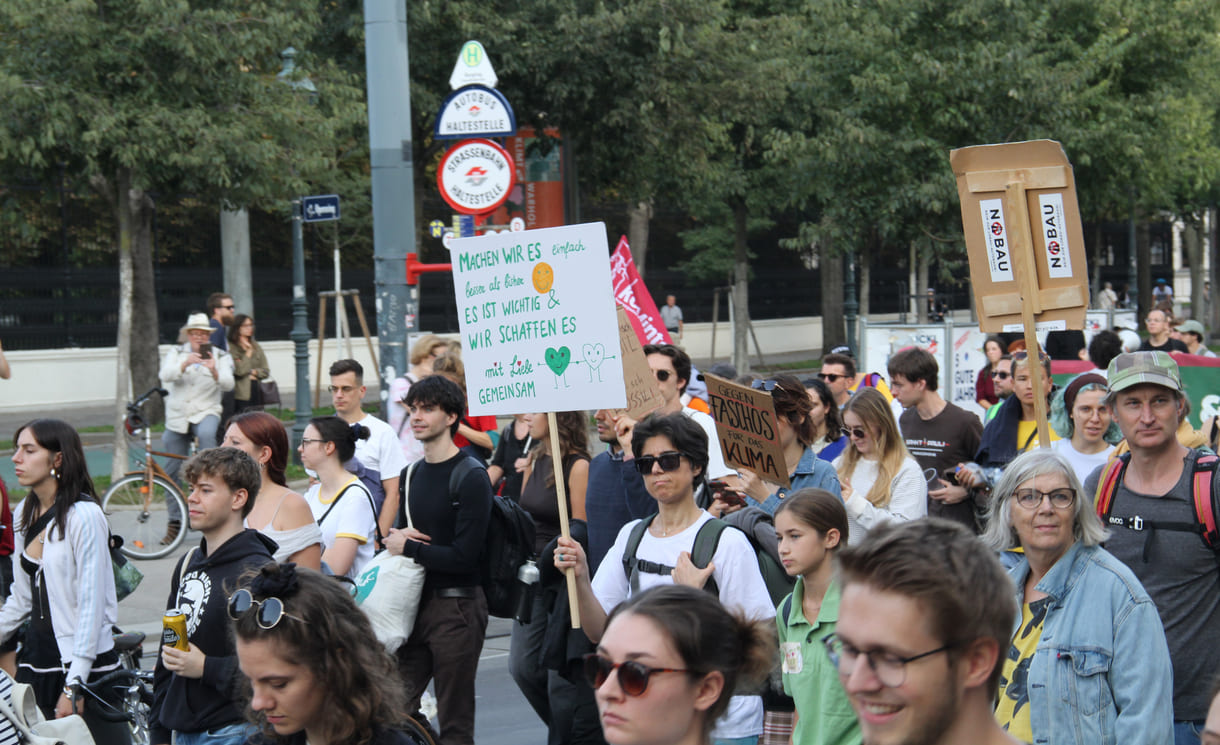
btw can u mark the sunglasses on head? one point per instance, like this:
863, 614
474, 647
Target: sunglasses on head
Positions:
662, 375
764, 385
857, 432
670, 461
830, 377
632, 676
270, 610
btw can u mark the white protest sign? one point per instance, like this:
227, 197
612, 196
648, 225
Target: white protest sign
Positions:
538, 321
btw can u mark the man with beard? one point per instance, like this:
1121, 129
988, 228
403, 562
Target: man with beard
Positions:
922, 634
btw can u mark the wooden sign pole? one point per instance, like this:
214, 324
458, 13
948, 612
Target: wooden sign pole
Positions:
561, 491
1022, 245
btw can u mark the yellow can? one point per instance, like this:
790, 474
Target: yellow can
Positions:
174, 633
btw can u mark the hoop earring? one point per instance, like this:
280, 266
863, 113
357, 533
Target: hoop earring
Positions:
54, 473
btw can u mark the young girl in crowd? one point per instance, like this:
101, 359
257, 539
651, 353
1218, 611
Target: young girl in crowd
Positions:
64, 585
668, 664
811, 525
1080, 416
279, 513
316, 673
881, 482
341, 504
828, 438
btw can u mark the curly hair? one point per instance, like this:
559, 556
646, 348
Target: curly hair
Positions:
324, 631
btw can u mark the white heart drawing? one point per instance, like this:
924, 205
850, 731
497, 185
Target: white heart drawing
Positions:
594, 354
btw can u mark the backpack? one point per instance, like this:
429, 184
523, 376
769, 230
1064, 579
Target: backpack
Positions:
509, 542
1206, 501
779, 584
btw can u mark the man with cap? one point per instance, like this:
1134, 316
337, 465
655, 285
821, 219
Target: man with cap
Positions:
196, 374
1193, 335
1162, 295
1153, 525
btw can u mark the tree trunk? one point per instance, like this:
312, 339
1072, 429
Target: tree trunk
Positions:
638, 217
834, 330
120, 197
864, 261
1213, 307
1192, 241
235, 258
1143, 260
145, 334
921, 285
741, 289
1095, 279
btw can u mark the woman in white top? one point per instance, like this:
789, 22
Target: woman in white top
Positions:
64, 584
881, 481
279, 513
1080, 416
671, 454
341, 504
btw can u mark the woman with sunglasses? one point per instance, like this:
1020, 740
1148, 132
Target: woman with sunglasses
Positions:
566, 707
794, 426
881, 482
668, 664
63, 586
1080, 416
828, 438
984, 388
671, 454
340, 503
316, 673
279, 513
1088, 661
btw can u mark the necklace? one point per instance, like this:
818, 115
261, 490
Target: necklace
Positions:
678, 528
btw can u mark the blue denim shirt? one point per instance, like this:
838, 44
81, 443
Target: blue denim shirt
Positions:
1102, 665
811, 472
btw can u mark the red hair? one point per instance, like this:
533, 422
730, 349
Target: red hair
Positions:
264, 430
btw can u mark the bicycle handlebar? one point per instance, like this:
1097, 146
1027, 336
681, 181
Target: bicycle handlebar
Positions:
104, 710
140, 401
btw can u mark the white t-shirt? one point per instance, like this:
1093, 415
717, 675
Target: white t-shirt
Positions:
908, 497
716, 467
1082, 463
739, 581
381, 452
352, 517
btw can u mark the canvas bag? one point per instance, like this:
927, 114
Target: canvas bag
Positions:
388, 590
34, 729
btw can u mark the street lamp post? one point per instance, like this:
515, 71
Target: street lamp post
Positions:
850, 305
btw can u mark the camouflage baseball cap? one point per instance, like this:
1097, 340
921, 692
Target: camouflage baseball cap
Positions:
1135, 368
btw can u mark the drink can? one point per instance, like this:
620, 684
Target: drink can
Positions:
174, 632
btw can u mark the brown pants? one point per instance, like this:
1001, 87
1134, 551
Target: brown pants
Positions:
445, 646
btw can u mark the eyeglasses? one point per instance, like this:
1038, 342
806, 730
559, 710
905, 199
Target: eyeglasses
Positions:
830, 377
306, 440
1032, 498
344, 388
670, 461
858, 433
1001, 375
890, 669
764, 385
632, 676
270, 610
662, 375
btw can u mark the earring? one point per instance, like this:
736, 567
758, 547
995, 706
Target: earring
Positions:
54, 473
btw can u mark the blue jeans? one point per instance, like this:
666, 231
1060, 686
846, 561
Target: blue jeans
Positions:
234, 734
738, 741
208, 432
1186, 732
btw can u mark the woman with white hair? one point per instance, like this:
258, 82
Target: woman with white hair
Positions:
1088, 661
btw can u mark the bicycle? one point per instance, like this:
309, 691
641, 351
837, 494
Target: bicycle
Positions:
138, 504
135, 687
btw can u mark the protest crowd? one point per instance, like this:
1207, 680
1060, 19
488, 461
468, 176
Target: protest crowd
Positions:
906, 571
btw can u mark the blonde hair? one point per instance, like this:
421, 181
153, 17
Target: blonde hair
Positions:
874, 411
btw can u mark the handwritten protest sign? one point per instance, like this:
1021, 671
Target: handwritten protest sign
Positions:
643, 395
537, 320
745, 426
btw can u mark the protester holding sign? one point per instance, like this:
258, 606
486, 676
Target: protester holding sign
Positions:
796, 434
881, 482
671, 366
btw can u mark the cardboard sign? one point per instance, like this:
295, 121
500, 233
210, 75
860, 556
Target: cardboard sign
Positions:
643, 395
538, 321
745, 426
1023, 235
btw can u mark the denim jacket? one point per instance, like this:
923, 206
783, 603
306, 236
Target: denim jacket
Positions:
1101, 673
811, 472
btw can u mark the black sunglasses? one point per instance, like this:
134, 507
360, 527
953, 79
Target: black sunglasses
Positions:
764, 385
270, 610
830, 377
858, 432
632, 676
1001, 375
670, 461
662, 375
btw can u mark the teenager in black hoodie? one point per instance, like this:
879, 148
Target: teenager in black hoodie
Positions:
195, 691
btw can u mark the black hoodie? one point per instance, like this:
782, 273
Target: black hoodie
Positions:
201, 591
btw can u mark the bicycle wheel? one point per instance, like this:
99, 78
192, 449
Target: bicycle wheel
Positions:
142, 525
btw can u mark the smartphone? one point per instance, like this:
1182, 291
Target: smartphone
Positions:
205, 350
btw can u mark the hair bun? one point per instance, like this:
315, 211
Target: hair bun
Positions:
360, 432
276, 580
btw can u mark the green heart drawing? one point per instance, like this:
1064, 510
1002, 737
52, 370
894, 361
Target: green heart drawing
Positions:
558, 359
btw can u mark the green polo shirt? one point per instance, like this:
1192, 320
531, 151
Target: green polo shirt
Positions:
824, 715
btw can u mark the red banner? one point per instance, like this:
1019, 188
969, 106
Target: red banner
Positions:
630, 292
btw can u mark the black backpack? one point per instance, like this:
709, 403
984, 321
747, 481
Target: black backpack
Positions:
509, 542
